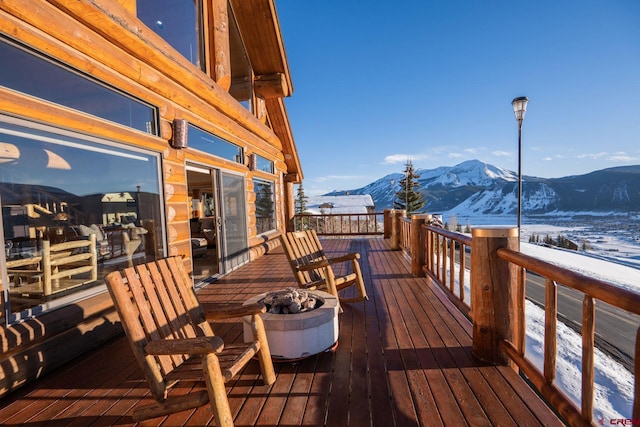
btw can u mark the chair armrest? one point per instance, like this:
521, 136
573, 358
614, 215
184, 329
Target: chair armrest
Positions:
343, 258
199, 345
313, 265
212, 312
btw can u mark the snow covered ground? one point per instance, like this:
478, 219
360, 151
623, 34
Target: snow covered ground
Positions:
613, 255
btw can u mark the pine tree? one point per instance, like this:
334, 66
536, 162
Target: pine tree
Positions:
409, 198
301, 200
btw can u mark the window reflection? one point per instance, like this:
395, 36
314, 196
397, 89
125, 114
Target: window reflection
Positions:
178, 22
73, 210
264, 165
210, 143
25, 71
265, 205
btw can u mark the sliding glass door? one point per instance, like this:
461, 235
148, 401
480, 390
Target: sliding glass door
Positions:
218, 223
234, 221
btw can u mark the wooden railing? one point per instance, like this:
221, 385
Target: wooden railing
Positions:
405, 234
445, 252
368, 224
593, 290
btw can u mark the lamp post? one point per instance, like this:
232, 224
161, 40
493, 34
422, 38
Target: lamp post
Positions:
406, 191
520, 108
393, 193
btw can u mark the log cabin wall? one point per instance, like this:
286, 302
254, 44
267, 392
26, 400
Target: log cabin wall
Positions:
243, 63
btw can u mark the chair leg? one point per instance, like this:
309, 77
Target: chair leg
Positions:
330, 278
217, 391
264, 355
359, 281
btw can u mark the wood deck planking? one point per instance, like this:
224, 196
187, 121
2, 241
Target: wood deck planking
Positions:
391, 323
296, 402
404, 358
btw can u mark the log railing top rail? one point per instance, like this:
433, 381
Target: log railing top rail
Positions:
596, 288
458, 237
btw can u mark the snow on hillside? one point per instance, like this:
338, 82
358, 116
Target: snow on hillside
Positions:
471, 172
475, 206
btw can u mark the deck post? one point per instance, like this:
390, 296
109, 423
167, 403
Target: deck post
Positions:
396, 214
418, 244
289, 206
387, 222
493, 292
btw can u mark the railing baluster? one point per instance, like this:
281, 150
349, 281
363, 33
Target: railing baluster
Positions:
438, 251
588, 335
521, 334
550, 324
463, 263
452, 263
443, 273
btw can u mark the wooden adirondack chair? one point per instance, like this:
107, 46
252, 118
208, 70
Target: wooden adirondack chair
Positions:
171, 338
313, 270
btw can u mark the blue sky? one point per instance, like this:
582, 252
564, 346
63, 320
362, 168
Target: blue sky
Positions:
379, 82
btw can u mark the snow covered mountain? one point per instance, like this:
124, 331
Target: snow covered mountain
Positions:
477, 188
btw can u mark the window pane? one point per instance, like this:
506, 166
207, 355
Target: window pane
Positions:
26, 72
265, 205
177, 22
91, 207
209, 143
264, 165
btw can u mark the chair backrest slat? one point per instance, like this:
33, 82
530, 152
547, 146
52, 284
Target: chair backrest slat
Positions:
188, 297
304, 248
152, 316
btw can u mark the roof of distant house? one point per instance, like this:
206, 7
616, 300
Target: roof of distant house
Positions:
357, 203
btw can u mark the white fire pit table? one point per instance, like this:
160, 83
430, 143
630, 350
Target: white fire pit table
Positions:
296, 336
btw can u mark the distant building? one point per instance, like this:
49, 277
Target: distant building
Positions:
347, 204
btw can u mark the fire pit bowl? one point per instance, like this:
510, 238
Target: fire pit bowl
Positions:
299, 335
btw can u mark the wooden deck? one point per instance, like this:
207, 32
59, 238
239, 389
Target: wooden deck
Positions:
403, 359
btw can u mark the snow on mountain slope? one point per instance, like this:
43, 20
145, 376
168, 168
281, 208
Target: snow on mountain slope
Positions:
477, 187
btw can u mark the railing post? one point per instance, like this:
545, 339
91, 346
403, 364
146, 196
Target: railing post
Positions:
418, 244
493, 292
395, 227
387, 222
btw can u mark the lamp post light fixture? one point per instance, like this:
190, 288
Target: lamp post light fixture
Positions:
520, 108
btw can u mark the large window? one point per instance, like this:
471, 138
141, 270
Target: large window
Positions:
36, 75
212, 144
265, 205
73, 209
178, 22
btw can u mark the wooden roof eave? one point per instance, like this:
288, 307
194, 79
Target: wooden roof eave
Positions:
260, 28
281, 126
